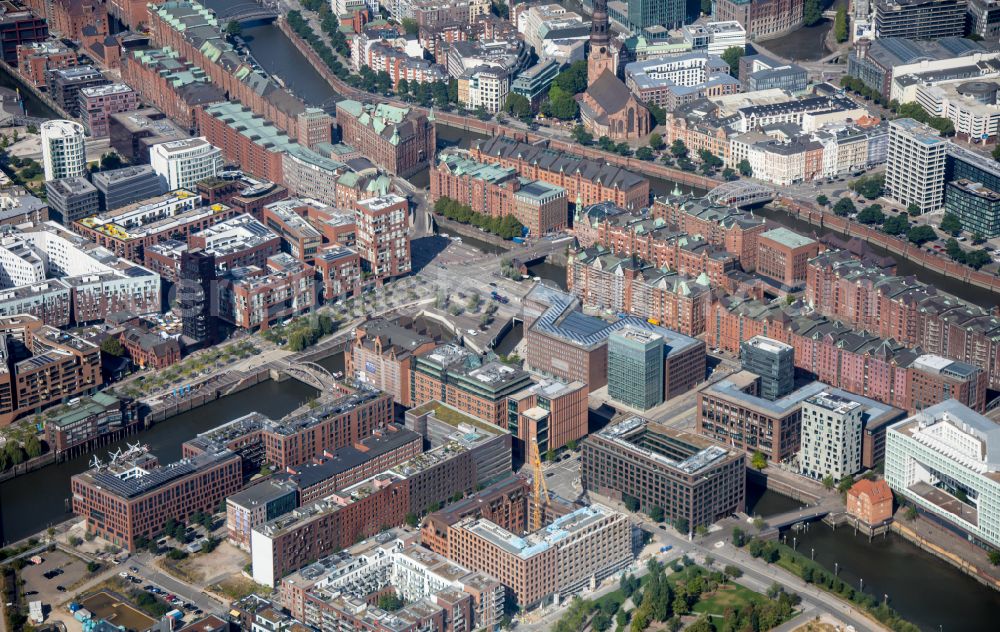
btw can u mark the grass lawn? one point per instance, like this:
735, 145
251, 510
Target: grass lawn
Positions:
727, 596
237, 588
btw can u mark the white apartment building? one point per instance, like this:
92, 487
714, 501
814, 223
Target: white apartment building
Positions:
64, 151
970, 105
946, 461
60, 277
544, 23
484, 87
183, 163
20, 263
347, 7
831, 436
915, 165
689, 69
715, 37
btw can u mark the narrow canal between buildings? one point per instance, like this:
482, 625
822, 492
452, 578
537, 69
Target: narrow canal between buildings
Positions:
31, 502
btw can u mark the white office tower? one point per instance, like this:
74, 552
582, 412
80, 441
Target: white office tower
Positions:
181, 164
831, 436
915, 165
64, 152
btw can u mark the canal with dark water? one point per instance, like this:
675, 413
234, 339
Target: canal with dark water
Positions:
923, 589
32, 502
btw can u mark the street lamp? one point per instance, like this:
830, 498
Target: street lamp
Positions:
836, 568
795, 543
862, 584
812, 554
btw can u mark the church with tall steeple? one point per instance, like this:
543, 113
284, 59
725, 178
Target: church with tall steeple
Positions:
602, 55
608, 107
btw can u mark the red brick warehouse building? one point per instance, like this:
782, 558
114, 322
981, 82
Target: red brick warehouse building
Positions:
124, 501
400, 140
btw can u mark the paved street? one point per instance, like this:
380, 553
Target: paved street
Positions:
192, 594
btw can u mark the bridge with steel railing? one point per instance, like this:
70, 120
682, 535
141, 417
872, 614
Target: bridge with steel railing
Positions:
741, 193
247, 12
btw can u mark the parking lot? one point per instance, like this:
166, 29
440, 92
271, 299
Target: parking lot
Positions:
63, 570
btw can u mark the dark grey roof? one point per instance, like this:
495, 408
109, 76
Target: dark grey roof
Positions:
557, 161
348, 457
609, 92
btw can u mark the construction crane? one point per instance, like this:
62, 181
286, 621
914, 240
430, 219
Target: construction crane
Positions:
541, 489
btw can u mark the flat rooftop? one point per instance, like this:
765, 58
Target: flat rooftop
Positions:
542, 540
689, 453
788, 238
734, 387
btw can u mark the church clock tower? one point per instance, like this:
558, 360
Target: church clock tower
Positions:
602, 56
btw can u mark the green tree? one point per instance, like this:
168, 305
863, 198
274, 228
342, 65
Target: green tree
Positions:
822, 200
845, 484
744, 167
412, 520
112, 346
517, 105
976, 259
682, 525
732, 57
234, 28
572, 80
93, 567
703, 624
828, 482
582, 136
656, 141
811, 12
896, 225
994, 556
410, 26
561, 104
631, 502
33, 446
644, 153
656, 513
758, 461
840, 25
659, 114
950, 223
739, 537
871, 215
15, 455
678, 149
390, 602
996, 153
600, 622
869, 186
844, 207
920, 235
571, 445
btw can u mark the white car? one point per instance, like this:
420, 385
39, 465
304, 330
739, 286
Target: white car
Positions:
472, 332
